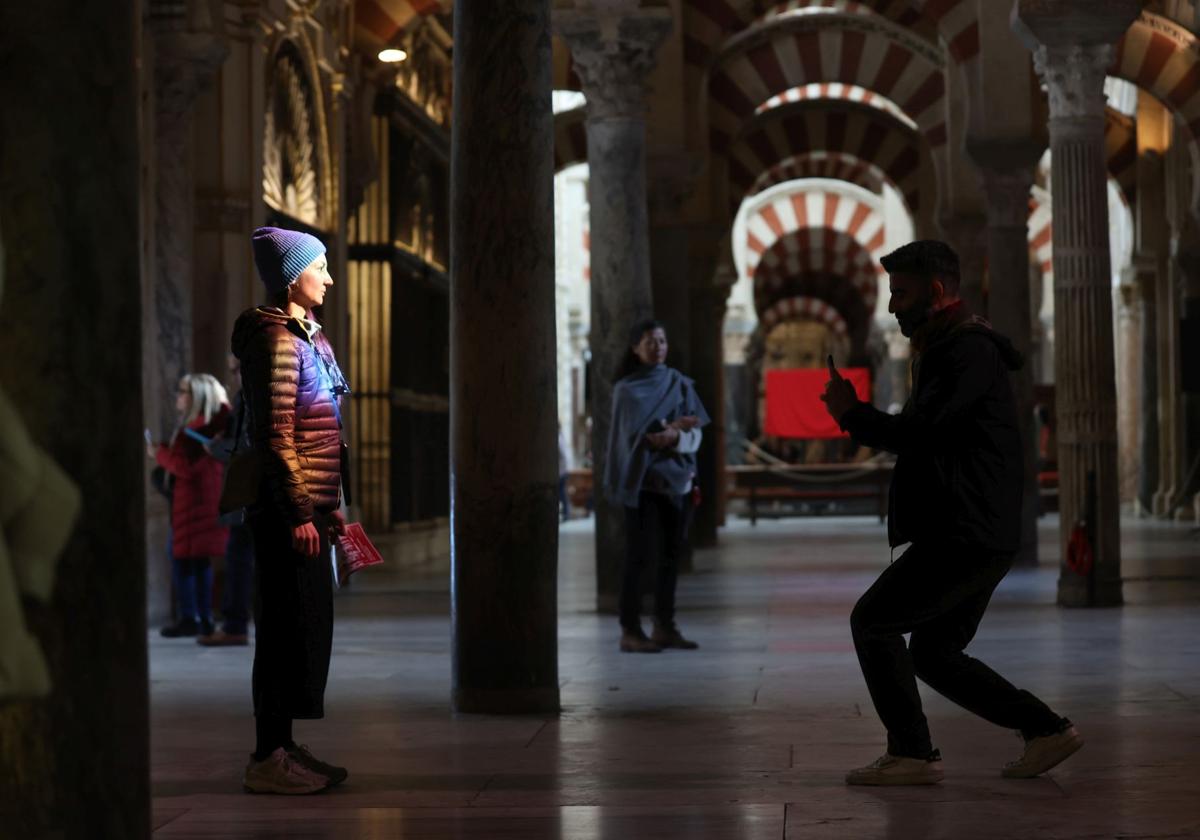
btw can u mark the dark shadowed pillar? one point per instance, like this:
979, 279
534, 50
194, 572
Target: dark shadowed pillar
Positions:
1007, 168
613, 50
1072, 49
76, 763
504, 455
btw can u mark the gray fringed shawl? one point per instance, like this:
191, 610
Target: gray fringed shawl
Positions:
644, 396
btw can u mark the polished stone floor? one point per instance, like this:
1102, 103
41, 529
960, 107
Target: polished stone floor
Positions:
746, 738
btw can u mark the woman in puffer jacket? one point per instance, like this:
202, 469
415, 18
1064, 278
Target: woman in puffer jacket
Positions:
292, 389
196, 534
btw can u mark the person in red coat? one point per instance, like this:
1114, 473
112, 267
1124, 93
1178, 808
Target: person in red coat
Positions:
196, 534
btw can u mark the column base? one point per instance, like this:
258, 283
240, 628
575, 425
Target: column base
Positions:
506, 701
1073, 591
1162, 502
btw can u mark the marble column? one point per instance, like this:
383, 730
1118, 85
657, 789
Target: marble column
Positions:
76, 763
503, 389
1072, 42
1007, 170
613, 49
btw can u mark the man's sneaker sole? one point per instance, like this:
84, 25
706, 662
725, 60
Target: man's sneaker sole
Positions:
1049, 756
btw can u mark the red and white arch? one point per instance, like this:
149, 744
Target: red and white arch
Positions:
796, 51
852, 129
836, 166
828, 220
1163, 58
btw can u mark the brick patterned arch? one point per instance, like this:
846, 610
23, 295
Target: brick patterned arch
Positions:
836, 166
879, 56
821, 230
1163, 58
570, 138
848, 128
379, 21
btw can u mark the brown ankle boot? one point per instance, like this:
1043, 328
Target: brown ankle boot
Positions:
638, 643
668, 636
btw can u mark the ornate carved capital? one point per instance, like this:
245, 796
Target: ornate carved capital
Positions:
1074, 78
613, 51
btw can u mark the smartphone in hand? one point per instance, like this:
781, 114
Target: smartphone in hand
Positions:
149, 439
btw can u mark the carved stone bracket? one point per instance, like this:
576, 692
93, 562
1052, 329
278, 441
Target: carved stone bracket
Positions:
614, 51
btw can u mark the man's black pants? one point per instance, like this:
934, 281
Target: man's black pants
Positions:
938, 593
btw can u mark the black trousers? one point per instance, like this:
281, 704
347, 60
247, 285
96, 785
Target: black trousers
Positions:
293, 618
938, 593
656, 536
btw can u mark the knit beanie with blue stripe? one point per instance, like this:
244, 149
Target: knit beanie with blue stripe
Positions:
282, 255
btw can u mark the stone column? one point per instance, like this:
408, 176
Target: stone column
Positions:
1072, 47
504, 455
185, 62
708, 370
1008, 169
613, 50
968, 235
76, 763
1148, 391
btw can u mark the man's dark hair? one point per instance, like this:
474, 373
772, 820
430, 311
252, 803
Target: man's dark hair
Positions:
630, 361
928, 258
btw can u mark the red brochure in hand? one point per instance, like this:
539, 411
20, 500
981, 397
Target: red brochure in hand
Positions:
357, 551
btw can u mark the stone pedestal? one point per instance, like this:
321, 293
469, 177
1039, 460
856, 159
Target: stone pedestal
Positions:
1007, 169
1072, 47
76, 763
504, 456
613, 49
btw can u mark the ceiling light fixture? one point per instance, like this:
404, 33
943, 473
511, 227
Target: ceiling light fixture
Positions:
392, 56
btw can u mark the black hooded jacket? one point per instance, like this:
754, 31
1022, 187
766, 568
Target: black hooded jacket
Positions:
959, 470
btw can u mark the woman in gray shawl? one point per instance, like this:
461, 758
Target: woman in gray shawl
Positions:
651, 470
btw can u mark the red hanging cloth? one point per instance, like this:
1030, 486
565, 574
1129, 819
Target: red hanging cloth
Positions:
794, 406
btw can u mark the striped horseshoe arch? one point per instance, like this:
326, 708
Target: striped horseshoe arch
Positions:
851, 129
807, 308
570, 138
812, 210
952, 21
835, 166
815, 251
1163, 58
828, 287
802, 49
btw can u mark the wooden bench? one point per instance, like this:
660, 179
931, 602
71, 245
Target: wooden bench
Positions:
810, 483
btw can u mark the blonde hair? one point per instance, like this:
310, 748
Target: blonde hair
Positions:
208, 395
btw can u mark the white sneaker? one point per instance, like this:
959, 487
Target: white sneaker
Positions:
1043, 753
891, 769
282, 774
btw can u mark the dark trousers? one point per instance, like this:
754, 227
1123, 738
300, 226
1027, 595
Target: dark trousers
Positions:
293, 621
239, 579
938, 593
656, 537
